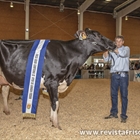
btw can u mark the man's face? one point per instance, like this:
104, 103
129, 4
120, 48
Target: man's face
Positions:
119, 42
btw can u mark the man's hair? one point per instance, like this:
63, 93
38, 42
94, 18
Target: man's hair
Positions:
119, 36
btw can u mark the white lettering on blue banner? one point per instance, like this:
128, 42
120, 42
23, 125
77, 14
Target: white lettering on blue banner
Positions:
33, 77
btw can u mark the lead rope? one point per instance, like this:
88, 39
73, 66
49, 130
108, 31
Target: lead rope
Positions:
110, 56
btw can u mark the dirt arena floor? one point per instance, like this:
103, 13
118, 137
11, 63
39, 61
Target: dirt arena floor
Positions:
81, 115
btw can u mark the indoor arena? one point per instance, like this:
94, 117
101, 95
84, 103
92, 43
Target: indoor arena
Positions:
69, 70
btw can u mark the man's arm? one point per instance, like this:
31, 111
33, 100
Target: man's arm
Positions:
105, 56
123, 53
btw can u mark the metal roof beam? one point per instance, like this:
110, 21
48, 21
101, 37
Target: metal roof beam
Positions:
82, 8
123, 4
85, 5
122, 13
129, 9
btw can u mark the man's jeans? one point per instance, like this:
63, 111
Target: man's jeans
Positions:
122, 81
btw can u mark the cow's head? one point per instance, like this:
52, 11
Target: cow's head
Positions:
99, 42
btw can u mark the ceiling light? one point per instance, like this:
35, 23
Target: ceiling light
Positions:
11, 4
27, 30
126, 17
78, 12
108, 0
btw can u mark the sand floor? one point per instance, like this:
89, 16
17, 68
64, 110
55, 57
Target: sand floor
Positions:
82, 107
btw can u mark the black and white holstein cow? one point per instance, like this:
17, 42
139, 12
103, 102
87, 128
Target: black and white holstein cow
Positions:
61, 63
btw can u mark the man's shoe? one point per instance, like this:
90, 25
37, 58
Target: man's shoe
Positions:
111, 116
123, 120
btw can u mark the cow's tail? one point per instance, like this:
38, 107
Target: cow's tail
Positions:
0, 71
0, 53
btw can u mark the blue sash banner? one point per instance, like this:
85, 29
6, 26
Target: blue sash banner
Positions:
33, 77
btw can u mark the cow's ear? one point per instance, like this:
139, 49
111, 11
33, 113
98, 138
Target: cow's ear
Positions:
87, 31
76, 35
81, 35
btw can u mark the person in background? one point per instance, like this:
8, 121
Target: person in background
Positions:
138, 68
85, 66
91, 67
97, 66
119, 77
136, 65
107, 67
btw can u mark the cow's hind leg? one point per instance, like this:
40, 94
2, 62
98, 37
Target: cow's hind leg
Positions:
5, 93
52, 90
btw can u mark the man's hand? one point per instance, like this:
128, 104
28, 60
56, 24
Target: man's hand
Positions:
116, 51
105, 54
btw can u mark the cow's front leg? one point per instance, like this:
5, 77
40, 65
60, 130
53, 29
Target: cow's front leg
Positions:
54, 116
52, 90
5, 93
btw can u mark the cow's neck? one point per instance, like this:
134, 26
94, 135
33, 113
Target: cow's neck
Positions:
83, 49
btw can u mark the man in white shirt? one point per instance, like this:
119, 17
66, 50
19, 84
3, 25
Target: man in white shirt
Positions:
119, 77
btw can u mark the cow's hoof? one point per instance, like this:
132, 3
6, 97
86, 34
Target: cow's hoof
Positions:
45, 92
19, 98
6, 112
57, 127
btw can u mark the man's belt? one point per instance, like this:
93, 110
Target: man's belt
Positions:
119, 72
